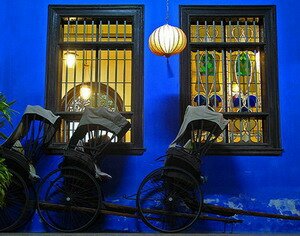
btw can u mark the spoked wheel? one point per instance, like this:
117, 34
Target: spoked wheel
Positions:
16, 204
169, 200
69, 199
32, 204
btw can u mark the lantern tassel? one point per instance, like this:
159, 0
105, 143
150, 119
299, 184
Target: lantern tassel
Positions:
169, 68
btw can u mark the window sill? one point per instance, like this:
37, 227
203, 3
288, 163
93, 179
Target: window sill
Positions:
244, 150
123, 149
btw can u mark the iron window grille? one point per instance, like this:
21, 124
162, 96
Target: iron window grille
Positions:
230, 65
95, 58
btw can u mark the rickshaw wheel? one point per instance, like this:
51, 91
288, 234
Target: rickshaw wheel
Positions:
169, 200
16, 204
69, 199
32, 204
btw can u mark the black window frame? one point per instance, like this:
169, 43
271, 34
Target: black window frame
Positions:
53, 68
270, 113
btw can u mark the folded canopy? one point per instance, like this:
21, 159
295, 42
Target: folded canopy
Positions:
200, 113
108, 120
31, 113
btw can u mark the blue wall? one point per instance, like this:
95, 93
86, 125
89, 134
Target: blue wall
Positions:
255, 183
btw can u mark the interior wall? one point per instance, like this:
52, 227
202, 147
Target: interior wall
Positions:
262, 183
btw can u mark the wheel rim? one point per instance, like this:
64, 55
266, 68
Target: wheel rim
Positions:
32, 204
16, 204
69, 199
169, 200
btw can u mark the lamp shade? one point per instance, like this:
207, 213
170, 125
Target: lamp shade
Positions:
167, 40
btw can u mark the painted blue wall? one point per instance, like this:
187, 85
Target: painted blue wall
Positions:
255, 183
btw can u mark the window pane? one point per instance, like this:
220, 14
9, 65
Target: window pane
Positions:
206, 31
97, 78
248, 130
77, 29
244, 30
207, 79
243, 81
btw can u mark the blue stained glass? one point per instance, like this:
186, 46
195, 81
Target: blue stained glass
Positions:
200, 100
236, 101
252, 101
215, 99
239, 102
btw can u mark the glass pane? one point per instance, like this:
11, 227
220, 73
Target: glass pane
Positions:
78, 29
206, 31
242, 89
207, 79
243, 81
248, 130
244, 30
96, 78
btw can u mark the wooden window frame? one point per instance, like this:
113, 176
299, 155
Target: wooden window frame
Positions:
270, 113
53, 68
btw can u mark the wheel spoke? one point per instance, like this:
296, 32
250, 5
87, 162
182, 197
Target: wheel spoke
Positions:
13, 213
73, 190
163, 200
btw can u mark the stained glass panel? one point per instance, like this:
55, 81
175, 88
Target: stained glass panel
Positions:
207, 79
228, 80
244, 30
203, 30
243, 81
248, 130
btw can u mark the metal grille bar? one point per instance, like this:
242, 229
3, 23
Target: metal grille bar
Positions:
99, 77
227, 78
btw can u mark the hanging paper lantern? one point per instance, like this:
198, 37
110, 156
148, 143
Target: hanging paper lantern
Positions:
167, 40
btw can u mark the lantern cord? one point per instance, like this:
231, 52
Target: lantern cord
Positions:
169, 69
167, 14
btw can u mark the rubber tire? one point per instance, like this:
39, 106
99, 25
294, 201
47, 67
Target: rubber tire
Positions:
17, 180
41, 209
139, 200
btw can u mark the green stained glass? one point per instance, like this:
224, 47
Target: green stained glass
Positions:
207, 64
243, 65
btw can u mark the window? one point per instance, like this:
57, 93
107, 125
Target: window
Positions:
230, 65
95, 58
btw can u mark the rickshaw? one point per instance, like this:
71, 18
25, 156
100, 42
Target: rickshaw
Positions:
70, 198
169, 199
21, 151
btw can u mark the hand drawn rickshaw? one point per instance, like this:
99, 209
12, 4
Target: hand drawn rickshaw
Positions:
70, 198
21, 151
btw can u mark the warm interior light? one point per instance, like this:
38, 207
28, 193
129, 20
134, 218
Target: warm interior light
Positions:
71, 59
85, 92
167, 40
